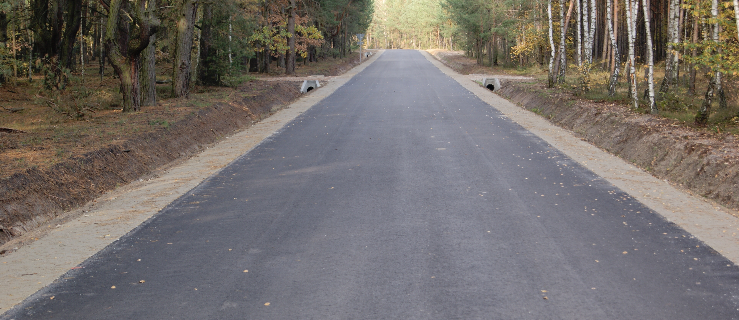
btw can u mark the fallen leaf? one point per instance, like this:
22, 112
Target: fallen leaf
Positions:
266, 304
52, 298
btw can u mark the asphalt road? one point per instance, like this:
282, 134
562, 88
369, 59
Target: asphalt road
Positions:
400, 196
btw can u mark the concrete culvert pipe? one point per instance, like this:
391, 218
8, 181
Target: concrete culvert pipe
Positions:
491, 83
309, 85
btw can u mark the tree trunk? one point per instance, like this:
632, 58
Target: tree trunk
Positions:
578, 52
736, 16
82, 55
208, 75
551, 45
124, 55
116, 41
650, 57
591, 35
716, 32
702, 117
230, 33
72, 22
587, 48
148, 75
102, 49
183, 48
694, 54
562, 61
290, 67
195, 60
15, 57
614, 46
673, 32
631, 11
615, 57
489, 48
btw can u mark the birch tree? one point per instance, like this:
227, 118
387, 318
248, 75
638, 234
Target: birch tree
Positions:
587, 48
290, 67
694, 50
591, 35
614, 45
579, 13
672, 59
650, 57
736, 16
702, 117
551, 44
631, 7
561, 63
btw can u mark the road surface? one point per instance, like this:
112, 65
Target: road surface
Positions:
400, 196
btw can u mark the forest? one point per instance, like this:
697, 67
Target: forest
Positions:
649, 53
653, 53
205, 42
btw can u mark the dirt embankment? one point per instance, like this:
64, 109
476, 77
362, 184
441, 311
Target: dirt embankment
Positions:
32, 198
704, 163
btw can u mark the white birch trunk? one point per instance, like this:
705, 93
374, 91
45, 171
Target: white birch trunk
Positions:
716, 32
631, 7
551, 44
579, 33
587, 48
650, 57
736, 15
230, 32
614, 45
702, 117
82, 51
591, 36
562, 37
673, 36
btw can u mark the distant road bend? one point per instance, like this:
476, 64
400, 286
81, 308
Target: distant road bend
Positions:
400, 196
